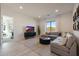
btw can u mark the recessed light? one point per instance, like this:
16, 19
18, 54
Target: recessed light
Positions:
39, 16
56, 10
21, 7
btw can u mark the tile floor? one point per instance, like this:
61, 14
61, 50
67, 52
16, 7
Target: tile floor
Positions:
29, 47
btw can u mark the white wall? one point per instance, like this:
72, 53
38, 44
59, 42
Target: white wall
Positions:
64, 23
42, 26
19, 24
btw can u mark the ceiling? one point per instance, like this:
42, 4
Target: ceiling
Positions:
37, 9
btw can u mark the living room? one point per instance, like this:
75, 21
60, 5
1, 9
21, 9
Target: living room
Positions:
39, 17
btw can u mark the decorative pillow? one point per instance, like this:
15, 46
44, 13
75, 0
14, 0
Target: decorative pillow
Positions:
60, 41
68, 35
64, 41
70, 41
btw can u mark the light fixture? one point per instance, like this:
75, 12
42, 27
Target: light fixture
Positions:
56, 10
39, 16
21, 7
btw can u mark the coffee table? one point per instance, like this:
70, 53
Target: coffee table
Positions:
45, 40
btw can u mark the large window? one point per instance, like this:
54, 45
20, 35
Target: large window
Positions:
51, 26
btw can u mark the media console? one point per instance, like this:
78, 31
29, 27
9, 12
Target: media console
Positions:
29, 34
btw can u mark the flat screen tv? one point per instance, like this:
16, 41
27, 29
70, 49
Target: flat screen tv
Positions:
29, 28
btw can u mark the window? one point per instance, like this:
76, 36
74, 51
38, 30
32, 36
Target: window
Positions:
51, 26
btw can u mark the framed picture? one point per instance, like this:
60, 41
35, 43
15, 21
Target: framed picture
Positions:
77, 11
76, 19
77, 25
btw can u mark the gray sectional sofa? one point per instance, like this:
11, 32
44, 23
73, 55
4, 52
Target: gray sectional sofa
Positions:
67, 49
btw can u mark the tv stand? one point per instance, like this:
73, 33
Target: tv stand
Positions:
29, 34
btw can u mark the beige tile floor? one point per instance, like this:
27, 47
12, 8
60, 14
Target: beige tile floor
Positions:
29, 47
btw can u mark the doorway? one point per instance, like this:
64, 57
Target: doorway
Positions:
7, 28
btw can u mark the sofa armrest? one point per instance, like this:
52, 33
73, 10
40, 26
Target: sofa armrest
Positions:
73, 49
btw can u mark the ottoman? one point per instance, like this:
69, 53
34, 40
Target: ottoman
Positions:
45, 40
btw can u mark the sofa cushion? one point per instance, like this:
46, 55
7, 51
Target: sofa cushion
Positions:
59, 47
59, 52
70, 41
53, 33
60, 41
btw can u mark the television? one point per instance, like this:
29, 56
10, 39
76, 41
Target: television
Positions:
29, 28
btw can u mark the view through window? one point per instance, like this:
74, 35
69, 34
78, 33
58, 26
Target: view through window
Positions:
51, 26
